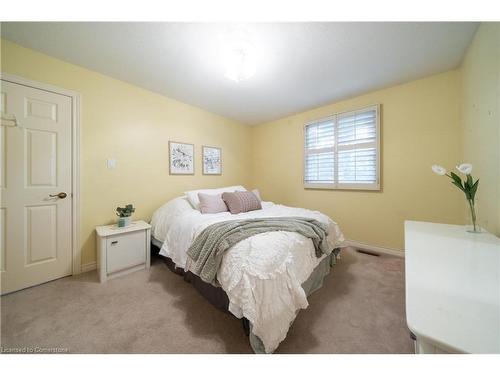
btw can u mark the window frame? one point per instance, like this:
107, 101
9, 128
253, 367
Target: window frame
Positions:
344, 186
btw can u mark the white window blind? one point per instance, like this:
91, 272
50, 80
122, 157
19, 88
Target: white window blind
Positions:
342, 151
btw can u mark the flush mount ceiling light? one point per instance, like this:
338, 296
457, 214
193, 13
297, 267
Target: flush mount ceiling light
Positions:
238, 55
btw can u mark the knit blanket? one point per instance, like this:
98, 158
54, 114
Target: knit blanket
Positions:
208, 248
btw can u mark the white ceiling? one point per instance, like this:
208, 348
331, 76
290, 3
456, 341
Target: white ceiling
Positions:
301, 65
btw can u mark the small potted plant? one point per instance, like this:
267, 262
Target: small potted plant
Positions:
124, 215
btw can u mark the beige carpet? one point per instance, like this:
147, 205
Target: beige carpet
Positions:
360, 309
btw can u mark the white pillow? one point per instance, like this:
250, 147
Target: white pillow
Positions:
192, 195
257, 194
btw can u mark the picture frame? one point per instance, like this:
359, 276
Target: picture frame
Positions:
181, 158
212, 160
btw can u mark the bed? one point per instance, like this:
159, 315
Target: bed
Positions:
264, 279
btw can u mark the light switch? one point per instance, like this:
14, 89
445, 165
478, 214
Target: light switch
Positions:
111, 163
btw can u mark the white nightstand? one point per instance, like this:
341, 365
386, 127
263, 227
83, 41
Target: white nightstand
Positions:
122, 250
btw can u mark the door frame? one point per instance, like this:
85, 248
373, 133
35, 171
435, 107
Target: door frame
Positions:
76, 251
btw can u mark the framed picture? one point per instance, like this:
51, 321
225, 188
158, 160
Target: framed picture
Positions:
212, 160
181, 157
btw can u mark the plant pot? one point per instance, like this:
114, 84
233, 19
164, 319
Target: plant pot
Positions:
124, 221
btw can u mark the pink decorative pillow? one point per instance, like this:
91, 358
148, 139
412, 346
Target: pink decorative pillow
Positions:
211, 204
241, 201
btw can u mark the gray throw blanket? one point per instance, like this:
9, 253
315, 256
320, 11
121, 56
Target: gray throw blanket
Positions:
208, 248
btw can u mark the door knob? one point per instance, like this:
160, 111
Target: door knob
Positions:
61, 195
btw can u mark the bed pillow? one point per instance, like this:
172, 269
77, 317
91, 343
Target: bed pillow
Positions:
192, 195
257, 194
241, 201
211, 204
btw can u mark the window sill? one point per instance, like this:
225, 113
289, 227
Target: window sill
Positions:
345, 187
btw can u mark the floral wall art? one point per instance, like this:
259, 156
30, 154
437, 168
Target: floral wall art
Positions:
212, 160
181, 156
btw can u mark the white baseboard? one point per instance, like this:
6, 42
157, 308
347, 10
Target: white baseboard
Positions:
87, 267
375, 249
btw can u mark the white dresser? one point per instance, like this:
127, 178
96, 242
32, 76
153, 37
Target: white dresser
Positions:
452, 288
122, 250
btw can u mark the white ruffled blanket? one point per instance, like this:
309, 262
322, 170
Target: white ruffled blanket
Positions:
261, 275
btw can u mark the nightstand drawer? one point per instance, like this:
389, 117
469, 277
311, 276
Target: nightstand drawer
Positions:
125, 250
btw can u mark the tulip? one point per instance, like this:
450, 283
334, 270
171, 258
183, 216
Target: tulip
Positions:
465, 168
468, 186
439, 170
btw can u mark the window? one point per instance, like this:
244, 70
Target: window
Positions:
342, 151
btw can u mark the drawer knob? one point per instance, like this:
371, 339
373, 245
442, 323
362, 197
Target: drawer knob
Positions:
114, 242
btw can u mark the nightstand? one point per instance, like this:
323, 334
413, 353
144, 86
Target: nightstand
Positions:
122, 250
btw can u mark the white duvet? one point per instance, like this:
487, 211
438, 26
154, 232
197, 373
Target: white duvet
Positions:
261, 275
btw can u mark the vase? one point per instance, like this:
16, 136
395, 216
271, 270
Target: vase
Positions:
124, 221
472, 221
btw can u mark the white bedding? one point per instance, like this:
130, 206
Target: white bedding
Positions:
261, 275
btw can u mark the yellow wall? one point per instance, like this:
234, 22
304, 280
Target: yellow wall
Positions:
133, 126
481, 120
420, 124
420, 121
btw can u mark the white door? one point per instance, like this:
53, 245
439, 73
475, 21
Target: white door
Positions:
35, 167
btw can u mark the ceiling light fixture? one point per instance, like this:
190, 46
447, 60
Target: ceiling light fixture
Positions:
239, 56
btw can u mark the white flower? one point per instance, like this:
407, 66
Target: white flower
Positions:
438, 170
465, 168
